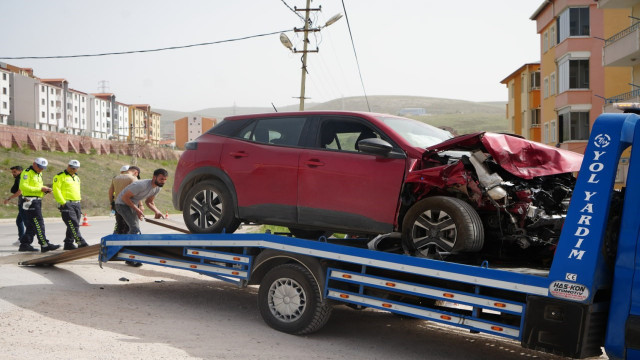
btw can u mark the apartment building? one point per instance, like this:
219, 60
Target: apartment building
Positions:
121, 124
103, 105
77, 113
22, 96
5, 98
50, 107
139, 117
622, 49
154, 128
189, 128
574, 82
523, 107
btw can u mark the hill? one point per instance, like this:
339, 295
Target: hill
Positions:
95, 172
463, 116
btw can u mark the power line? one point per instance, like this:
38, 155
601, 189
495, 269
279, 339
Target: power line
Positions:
144, 51
295, 12
356, 55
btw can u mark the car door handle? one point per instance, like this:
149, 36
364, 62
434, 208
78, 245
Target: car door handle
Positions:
238, 154
314, 163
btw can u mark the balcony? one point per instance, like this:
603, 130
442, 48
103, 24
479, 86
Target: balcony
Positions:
631, 96
623, 48
616, 4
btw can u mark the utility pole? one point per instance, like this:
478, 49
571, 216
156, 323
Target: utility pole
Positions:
306, 30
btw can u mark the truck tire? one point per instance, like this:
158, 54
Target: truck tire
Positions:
290, 301
208, 208
437, 226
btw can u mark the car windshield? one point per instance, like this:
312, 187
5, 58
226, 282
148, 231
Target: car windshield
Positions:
415, 132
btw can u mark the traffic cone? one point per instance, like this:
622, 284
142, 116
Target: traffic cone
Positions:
84, 221
166, 216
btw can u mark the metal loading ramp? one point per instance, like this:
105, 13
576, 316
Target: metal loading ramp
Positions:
61, 257
93, 250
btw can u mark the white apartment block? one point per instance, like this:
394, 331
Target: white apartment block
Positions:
102, 120
49, 108
5, 97
77, 112
121, 125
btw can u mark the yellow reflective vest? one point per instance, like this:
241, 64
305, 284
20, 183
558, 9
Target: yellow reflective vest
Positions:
66, 187
31, 183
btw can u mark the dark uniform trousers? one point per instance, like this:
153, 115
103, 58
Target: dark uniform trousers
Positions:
71, 215
35, 223
121, 225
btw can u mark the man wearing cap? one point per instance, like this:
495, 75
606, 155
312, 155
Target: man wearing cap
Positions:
66, 191
32, 188
128, 174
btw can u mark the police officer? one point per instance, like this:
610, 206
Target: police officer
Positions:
33, 190
66, 191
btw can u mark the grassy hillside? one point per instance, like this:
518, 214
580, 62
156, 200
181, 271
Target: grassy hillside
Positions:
95, 172
463, 116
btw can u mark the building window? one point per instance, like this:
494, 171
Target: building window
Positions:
535, 80
552, 131
573, 22
42, 88
43, 102
511, 91
4, 76
573, 74
51, 102
43, 115
4, 91
545, 90
4, 104
574, 125
552, 36
545, 133
51, 91
535, 118
545, 42
552, 84
523, 84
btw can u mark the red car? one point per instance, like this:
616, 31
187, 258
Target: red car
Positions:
321, 172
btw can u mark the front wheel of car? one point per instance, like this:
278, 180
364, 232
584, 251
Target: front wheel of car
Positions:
438, 226
208, 208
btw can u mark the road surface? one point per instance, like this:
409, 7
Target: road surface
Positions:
77, 310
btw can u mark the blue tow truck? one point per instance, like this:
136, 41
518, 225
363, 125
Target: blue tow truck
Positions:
587, 299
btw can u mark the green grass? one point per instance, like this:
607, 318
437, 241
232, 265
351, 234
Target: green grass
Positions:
96, 172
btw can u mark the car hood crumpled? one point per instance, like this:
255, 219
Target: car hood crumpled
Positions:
523, 158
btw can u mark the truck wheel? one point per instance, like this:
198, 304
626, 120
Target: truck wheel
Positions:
308, 234
290, 301
437, 226
208, 209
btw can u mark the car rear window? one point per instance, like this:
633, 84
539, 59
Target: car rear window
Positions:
228, 128
278, 131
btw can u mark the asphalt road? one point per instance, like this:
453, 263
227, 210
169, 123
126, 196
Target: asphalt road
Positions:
77, 310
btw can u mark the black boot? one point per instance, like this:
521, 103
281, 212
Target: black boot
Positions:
69, 246
26, 247
82, 244
48, 247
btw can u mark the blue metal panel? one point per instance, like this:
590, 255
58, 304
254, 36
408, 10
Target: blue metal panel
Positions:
625, 296
578, 270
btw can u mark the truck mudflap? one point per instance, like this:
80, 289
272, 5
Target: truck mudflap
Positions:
564, 328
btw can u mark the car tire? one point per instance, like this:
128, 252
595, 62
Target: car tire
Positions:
437, 226
208, 208
308, 234
290, 300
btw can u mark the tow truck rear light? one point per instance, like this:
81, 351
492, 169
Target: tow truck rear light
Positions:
236, 258
196, 252
496, 328
163, 261
500, 305
445, 317
193, 266
344, 296
448, 295
132, 256
346, 276
390, 284
388, 306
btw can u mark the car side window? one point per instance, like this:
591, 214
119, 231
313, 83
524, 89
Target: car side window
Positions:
278, 131
344, 134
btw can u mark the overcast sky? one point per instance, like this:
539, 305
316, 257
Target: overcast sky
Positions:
448, 49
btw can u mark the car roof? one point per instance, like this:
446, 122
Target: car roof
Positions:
304, 113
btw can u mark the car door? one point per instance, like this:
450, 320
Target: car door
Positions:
341, 188
262, 162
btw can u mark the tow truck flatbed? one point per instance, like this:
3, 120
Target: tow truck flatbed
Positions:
562, 310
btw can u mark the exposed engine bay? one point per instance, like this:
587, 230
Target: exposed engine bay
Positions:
522, 199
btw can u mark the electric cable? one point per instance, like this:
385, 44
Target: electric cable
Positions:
144, 51
356, 55
295, 12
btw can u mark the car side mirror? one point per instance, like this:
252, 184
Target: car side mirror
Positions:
375, 146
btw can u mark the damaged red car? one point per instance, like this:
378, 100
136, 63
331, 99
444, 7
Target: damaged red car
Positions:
321, 172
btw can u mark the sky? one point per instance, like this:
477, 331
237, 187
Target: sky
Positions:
446, 49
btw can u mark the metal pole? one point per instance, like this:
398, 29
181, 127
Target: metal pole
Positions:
304, 54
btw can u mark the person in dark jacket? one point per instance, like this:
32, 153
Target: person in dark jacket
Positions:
16, 193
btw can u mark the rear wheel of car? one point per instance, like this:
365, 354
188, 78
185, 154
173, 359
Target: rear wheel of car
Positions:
308, 234
208, 209
438, 226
